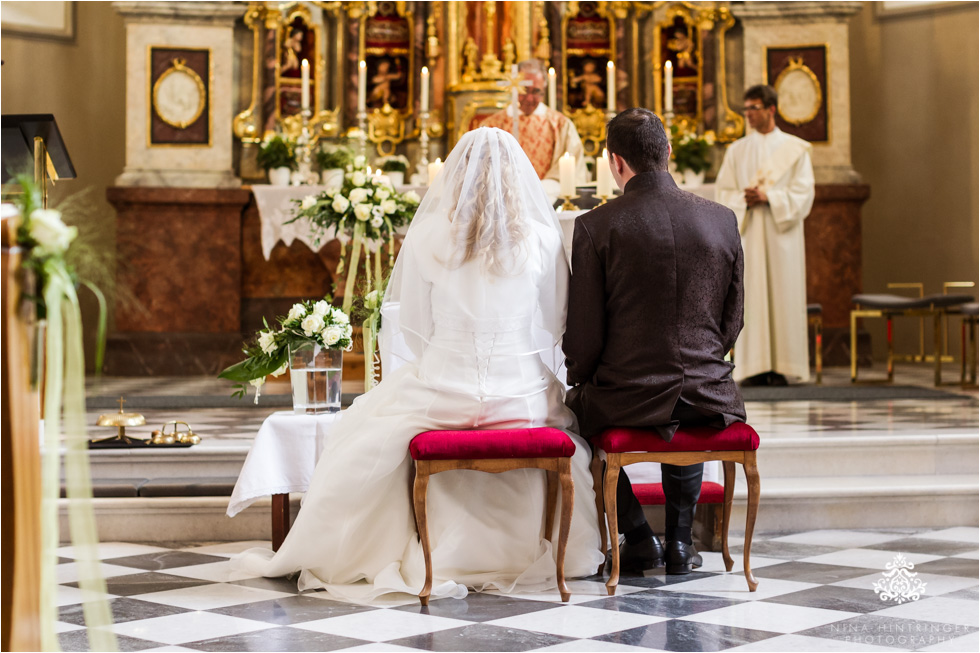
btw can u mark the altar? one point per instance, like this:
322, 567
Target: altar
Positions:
406, 81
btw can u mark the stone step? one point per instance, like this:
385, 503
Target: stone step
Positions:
785, 504
869, 455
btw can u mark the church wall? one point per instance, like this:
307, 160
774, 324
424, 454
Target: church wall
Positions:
83, 84
914, 123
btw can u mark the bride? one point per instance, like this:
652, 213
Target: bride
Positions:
473, 313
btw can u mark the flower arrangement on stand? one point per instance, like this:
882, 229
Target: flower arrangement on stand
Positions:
333, 161
363, 214
311, 337
692, 154
277, 155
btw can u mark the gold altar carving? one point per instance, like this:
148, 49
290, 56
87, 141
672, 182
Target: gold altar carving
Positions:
387, 46
588, 44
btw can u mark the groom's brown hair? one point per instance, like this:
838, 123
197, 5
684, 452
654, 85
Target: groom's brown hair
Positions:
638, 136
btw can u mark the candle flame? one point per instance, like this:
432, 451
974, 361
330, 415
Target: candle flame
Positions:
362, 64
425, 70
605, 153
668, 65
610, 65
305, 64
551, 72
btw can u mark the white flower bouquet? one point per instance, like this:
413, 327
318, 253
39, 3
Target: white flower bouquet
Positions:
309, 322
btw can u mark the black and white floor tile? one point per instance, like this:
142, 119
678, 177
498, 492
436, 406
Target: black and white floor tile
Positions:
815, 594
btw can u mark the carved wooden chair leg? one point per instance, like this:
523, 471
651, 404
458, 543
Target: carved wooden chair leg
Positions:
419, 495
726, 518
551, 503
609, 492
752, 510
567, 506
596, 467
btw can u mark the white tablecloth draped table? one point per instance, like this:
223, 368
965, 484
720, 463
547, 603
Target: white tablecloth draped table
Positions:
276, 208
282, 458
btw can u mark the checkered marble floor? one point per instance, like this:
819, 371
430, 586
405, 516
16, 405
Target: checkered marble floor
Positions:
815, 594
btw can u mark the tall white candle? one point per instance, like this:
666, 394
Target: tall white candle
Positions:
604, 178
434, 169
668, 87
566, 174
305, 95
424, 101
362, 86
611, 87
552, 90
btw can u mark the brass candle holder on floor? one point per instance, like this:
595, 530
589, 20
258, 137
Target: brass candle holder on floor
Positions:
120, 420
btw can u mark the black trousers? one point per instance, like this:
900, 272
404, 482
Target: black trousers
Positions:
681, 483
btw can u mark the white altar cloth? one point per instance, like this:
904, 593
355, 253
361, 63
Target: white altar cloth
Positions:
275, 204
282, 458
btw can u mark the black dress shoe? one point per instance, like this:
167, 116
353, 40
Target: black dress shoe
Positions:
646, 554
777, 379
757, 380
682, 558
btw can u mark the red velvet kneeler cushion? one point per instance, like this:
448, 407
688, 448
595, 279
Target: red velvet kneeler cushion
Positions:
652, 494
737, 437
495, 443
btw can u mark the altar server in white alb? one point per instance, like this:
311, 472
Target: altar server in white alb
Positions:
767, 180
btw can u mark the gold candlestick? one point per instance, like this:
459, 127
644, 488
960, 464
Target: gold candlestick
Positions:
568, 205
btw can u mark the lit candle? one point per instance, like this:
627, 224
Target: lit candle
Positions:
552, 92
362, 86
668, 87
611, 87
604, 178
566, 174
434, 169
424, 101
305, 69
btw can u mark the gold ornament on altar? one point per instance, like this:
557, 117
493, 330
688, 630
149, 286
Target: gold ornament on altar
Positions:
119, 421
186, 438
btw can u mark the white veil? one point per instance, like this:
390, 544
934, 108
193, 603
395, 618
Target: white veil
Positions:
492, 206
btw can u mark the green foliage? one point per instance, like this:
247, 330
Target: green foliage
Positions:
691, 152
394, 163
277, 152
331, 157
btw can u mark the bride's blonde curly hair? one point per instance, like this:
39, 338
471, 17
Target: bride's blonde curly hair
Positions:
487, 217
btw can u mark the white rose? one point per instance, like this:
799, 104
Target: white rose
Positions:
382, 180
52, 235
296, 312
340, 317
311, 324
321, 308
282, 369
412, 196
377, 221
377, 211
389, 206
357, 178
362, 211
359, 161
267, 342
358, 195
308, 202
340, 204
348, 330
332, 335
382, 194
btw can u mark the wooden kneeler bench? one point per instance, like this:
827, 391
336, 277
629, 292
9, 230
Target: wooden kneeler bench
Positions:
496, 451
618, 447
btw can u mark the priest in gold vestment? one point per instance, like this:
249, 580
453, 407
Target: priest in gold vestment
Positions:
544, 134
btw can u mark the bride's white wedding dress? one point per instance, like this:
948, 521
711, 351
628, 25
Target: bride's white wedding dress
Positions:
478, 346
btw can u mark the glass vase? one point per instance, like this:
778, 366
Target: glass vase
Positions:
315, 374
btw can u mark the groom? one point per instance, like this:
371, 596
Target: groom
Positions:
654, 304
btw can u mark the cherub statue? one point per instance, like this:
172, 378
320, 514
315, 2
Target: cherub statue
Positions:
470, 54
381, 90
591, 83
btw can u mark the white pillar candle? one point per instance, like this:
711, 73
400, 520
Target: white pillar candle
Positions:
424, 101
604, 178
434, 169
362, 86
668, 87
305, 81
552, 90
611, 87
566, 174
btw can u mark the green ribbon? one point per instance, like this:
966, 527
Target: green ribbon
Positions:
355, 259
65, 391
